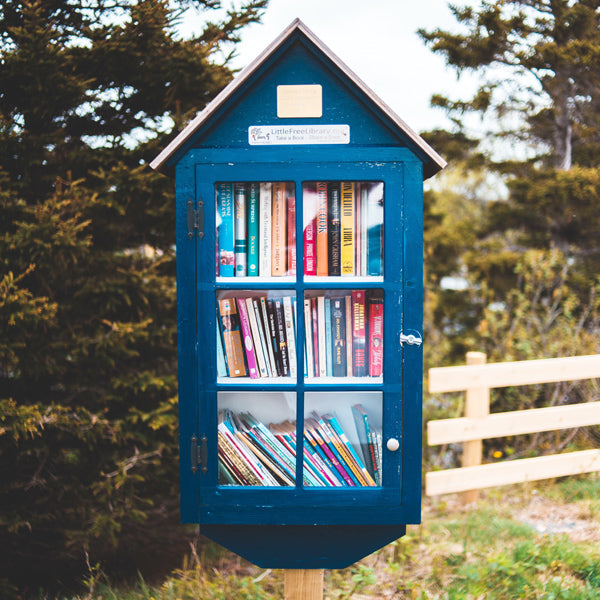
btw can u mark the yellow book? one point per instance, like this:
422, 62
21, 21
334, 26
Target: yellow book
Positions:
347, 227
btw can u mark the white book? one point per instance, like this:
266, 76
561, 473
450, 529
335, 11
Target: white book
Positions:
321, 330
308, 338
288, 314
258, 342
264, 242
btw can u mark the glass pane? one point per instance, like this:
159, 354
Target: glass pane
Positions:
256, 229
343, 228
257, 434
256, 334
343, 333
342, 439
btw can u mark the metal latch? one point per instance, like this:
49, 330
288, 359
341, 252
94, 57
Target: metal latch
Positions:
195, 218
411, 339
199, 454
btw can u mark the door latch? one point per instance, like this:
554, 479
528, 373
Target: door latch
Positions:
411, 339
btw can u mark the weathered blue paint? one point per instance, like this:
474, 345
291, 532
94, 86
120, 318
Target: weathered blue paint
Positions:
299, 527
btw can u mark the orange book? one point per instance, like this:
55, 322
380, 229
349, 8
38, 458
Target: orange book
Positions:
279, 230
322, 237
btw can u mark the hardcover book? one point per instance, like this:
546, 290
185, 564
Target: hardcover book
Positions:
241, 231
279, 229
334, 208
347, 225
291, 231
322, 237
253, 229
309, 196
232, 339
264, 245
375, 230
375, 316
338, 327
281, 337
225, 229
359, 358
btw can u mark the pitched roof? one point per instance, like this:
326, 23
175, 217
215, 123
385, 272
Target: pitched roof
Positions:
433, 162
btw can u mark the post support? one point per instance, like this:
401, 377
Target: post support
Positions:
303, 584
477, 405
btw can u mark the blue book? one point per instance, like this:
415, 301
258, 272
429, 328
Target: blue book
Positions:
221, 361
375, 230
253, 229
225, 230
328, 338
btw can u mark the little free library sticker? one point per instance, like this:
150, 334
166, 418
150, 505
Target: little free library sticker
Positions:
285, 135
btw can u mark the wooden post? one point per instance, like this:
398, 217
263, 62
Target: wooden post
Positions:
303, 584
477, 405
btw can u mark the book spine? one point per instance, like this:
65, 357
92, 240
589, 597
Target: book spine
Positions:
328, 338
253, 229
290, 326
308, 338
338, 329
232, 341
273, 335
322, 237
349, 337
375, 230
264, 245
278, 238
333, 473
347, 225
375, 307
334, 208
359, 342
281, 337
241, 231
357, 227
309, 199
221, 363
291, 231
267, 335
247, 337
258, 348
226, 240
322, 337
364, 229
315, 336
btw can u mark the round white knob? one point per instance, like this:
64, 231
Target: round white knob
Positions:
393, 444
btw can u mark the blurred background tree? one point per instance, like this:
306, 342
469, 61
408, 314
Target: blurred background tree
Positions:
89, 93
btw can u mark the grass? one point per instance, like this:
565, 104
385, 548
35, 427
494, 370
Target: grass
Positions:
484, 551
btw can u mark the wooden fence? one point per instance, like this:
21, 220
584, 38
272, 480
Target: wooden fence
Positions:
476, 379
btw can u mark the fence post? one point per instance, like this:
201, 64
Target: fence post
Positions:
477, 405
303, 584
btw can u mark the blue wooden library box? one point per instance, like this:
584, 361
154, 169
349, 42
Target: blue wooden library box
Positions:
299, 276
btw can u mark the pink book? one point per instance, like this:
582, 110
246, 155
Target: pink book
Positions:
310, 230
247, 338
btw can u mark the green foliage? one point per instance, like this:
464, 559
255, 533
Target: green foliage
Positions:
89, 92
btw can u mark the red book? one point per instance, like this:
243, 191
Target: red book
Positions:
247, 338
359, 342
291, 231
375, 309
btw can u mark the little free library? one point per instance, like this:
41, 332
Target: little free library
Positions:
299, 278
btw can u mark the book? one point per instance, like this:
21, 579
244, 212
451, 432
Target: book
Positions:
347, 228
267, 336
291, 230
375, 229
359, 358
290, 327
241, 231
273, 334
338, 331
308, 338
375, 328
315, 336
281, 336
225, 229
232, 339
221, 362
256, 338
264, 242
279, 230
309, 197
334, 208
248, 343
364, 229
349, 337
322, 336
328, 338
322, 238
365, 438
357, 227
253, 229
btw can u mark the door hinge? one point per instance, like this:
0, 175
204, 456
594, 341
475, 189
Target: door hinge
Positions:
199, 454
195, 218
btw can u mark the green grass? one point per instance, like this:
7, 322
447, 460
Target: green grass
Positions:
481, 551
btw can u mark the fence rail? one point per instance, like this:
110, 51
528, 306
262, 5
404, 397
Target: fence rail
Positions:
476, 379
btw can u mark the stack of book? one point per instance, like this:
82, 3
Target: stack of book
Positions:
344, 334
252, 454
256, 336
343, 228
256, 229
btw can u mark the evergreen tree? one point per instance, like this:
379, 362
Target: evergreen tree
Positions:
88, 427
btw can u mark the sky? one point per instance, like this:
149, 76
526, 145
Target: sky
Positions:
377, 40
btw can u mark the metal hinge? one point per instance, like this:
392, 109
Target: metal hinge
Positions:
199, 454
195, 219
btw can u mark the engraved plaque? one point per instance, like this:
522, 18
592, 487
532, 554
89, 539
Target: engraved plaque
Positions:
298, 101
